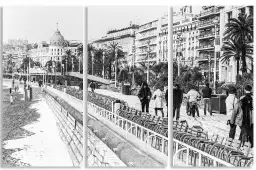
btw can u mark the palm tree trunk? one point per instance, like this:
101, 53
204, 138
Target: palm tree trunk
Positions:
237, 67
244, 68
109, 73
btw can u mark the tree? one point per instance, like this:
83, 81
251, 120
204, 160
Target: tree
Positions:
10, 63
25, 63
67, 61
50, 63
110, 58
240, 30
232, 49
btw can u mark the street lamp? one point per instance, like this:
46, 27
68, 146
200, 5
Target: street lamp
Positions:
72, 64
178, 51
103, 71
216, 21
148, 53
115, 67
54, 68
92, 60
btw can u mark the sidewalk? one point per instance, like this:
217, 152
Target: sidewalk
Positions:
73, 101
38, 142
133, 101
215, 124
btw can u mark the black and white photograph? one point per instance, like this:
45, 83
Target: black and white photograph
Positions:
127, 124
213, 86
42, 97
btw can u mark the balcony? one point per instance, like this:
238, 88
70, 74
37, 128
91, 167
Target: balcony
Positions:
206, 47
206, 24
147, 27
141, 37
205, 36
208, 13
146, 44
204, 58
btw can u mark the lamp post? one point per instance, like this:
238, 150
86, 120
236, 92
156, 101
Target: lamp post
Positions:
178, 51
148, 53
133, 62
115, 67
72, 64
215, 55
103, 71
54, 73
209, 72
92, 60
66, 65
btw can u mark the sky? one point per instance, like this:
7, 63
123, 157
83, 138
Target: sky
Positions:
38, 23
101, 18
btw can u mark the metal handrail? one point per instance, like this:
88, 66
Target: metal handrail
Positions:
200, 152
112, 117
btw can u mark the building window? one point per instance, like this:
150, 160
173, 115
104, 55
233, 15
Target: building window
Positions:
251, 10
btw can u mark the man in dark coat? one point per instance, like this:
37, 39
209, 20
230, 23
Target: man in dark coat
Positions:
207, 93
145, 96
243, 116
93, 86
177, 100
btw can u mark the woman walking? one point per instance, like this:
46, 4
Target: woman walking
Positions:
144, 96
157, 96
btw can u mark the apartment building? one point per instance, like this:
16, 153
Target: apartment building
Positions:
211, 27
151, 41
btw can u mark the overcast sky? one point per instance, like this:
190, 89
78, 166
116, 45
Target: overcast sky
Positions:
103, 18
39, 23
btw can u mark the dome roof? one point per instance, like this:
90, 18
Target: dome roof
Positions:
57, 39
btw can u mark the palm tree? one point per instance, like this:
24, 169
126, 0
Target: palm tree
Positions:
10, 63
67, 61
110, 57
240, 30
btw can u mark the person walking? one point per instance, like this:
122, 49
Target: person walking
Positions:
92, 86
145, 96
193, 96
243, 116
177, 100
207, 93
159, 104
11, 98
231, 101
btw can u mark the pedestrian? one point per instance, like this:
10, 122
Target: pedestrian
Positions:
13, 83
158, 105
11, 98
25, 93
207, 93
145, 96
10, 90
93, 86
242, 116
193, 97
231, 101
177, 100
166, 99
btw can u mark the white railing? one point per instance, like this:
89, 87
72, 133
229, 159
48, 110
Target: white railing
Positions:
185, 147
147, 137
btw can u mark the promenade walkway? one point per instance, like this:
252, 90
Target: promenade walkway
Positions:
133, 101
32, 137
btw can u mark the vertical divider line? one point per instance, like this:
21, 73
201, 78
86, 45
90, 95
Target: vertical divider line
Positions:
85, 65
1, 73
170, 84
